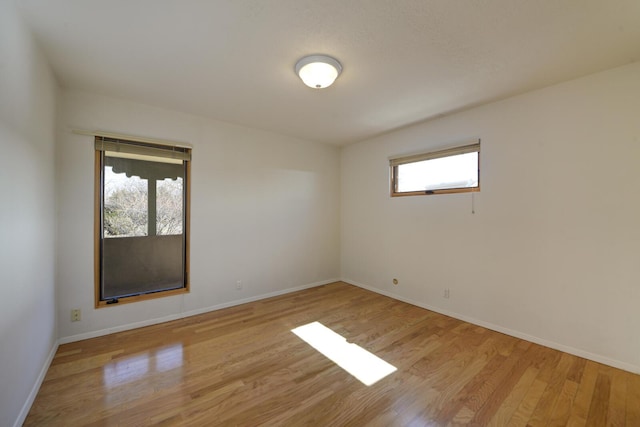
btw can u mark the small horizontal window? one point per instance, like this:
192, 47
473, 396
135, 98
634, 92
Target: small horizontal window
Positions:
456, 170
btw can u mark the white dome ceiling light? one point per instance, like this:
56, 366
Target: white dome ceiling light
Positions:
318, 71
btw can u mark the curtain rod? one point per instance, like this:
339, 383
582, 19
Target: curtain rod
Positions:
130, 138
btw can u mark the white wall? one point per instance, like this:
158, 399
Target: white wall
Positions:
553, 250
265, 210
27, 215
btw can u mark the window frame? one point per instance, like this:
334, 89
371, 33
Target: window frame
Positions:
98, 226
396, 161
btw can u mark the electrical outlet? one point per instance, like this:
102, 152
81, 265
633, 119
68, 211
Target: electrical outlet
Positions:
239, 284
75, 315
446, 293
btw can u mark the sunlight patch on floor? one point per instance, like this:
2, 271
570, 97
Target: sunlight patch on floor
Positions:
365, 366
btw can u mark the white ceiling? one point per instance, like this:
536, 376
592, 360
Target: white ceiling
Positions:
404, 60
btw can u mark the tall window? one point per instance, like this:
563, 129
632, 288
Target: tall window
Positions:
456, 170
142, 220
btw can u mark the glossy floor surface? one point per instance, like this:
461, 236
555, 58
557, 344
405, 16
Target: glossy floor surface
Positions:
244, 366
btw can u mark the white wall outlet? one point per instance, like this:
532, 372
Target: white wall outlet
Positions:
75, 315
446, 293
239, 284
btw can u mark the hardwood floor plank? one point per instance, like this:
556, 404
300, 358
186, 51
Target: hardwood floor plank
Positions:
582, 401
485, 362
244, 366
455, 391
528, 404
542, 414
504, 384
599, 401
511, 403
577, 369
633, 397
562, 408
463, 417
616, 414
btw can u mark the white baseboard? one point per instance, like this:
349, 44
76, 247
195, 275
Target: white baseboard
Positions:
36, 387
102, 332
551, 344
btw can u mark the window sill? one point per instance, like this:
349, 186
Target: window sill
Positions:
143, 297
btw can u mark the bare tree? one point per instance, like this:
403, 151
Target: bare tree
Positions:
126, 208
169, 207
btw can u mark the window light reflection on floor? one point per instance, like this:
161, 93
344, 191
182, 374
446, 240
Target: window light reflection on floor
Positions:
140, 366
365, 366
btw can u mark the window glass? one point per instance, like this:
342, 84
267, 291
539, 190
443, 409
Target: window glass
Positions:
454, 170
459, 171
169, 202
125, 205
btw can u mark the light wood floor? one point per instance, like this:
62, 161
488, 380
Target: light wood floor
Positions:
243, 366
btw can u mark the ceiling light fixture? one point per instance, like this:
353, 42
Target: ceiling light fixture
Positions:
318, 71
